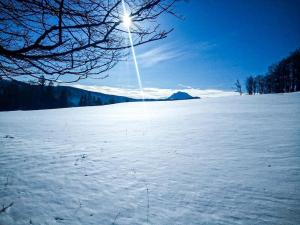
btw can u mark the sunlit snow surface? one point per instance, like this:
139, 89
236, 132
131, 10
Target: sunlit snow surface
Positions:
228, 160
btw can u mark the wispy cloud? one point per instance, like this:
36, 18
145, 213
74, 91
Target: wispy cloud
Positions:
172, 51
155, 92
160, 54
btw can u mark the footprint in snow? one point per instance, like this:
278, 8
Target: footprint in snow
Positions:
8, 136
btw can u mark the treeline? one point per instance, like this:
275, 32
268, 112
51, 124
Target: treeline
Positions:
41, 94
15, 95
282, 77
89, 100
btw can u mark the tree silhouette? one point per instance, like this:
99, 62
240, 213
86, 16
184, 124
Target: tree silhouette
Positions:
82, 101
69, 40
99, 101
281, 77
63, 98
238, 87
260, 84
42, 80
250, 85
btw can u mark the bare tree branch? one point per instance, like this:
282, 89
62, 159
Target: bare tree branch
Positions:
69, 40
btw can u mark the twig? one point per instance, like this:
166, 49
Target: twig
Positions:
116, 218
6, 183
148, 206
4, 208
147, 189
79, 207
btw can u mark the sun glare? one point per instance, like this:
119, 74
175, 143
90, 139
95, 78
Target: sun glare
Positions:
127, 20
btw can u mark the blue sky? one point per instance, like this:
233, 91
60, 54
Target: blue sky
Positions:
217, 42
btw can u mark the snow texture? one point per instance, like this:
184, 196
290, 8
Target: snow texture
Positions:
227, 160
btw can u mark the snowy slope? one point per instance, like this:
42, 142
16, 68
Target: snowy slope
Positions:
228, 160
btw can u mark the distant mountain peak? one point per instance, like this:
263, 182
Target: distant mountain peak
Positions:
180, 95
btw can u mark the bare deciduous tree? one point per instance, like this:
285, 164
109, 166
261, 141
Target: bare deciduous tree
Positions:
69, 40
238, 87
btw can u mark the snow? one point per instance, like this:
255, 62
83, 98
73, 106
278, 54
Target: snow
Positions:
227, 160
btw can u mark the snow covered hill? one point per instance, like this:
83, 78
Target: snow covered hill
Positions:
228, 160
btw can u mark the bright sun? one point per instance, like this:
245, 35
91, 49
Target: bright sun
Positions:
127, 20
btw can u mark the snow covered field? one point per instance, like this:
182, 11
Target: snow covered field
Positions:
227, 160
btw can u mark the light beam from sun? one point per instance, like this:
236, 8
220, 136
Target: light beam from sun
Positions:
127, 23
